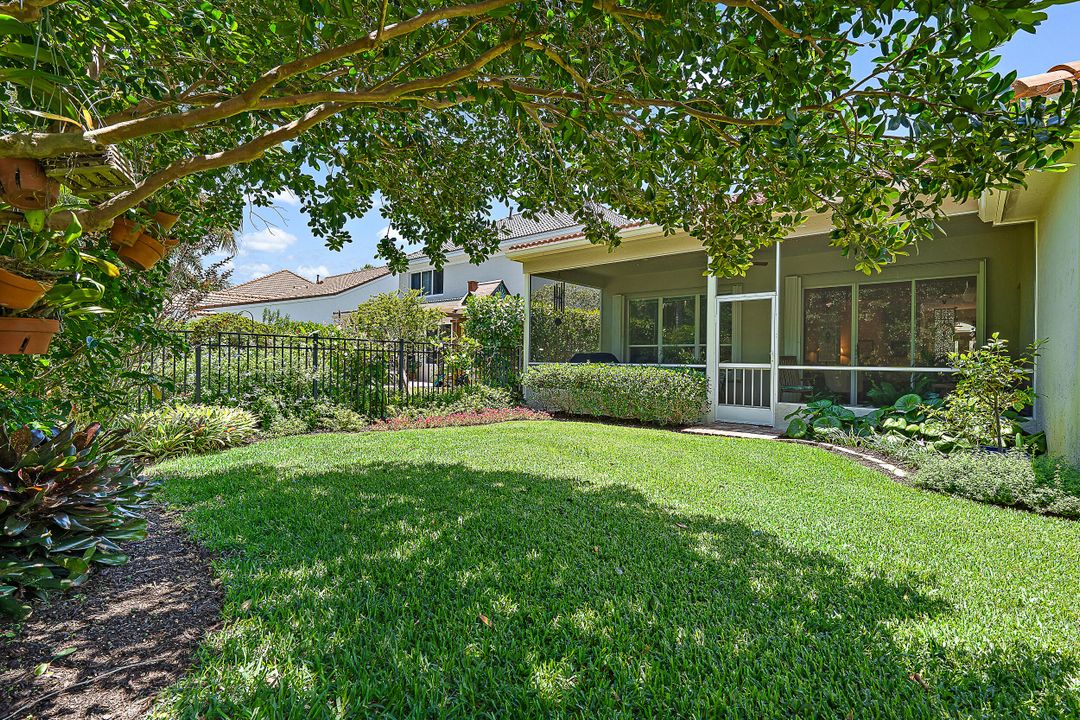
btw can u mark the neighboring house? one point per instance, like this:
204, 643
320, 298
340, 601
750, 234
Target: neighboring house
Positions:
329, 299
454, 310
299, 298
803, 323
447, 287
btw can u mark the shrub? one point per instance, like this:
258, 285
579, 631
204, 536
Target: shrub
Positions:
287, 425
187, 429
337, 418
460, 419
991, 389
66, 499
394, 316
465, 398
1008, 479
649, 394
497, 323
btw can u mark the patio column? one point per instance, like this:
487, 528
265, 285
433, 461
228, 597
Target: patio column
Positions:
712, 345
528, 315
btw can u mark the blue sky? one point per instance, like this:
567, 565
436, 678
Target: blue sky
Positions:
278, 237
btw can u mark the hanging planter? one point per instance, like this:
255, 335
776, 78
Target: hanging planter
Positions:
124, 232
18, 292
24, 185
145, 251
94, 176
26, 336
165, 219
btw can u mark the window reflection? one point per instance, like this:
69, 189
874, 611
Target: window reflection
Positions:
885, 325
827, 326
945, 316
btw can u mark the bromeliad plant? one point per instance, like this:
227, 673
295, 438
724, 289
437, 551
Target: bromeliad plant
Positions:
67, 499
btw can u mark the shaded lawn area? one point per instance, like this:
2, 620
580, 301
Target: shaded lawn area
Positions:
624, 572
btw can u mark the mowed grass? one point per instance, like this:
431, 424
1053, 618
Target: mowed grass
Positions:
574, 569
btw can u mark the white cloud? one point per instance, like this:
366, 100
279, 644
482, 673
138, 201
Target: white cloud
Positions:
394, 234
250, 271
269, 239
310, 271
285, 197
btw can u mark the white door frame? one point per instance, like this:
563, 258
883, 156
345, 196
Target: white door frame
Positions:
743, 414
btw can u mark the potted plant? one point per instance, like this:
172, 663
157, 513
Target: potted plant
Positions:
24, 184
139, 248
46, 256
22, 284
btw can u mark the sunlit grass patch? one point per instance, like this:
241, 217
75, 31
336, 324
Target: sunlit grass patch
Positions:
572, 569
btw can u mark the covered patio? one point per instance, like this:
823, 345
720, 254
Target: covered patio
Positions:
801, 325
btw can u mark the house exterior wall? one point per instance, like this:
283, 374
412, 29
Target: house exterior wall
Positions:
1002, 257
458, 271
318, 309
1058, 313
1005, 254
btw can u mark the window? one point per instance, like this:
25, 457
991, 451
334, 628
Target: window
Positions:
427, 282
885, 324
945, 319
827, 326
666, 330
911, 323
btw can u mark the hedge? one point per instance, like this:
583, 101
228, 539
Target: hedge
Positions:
649, 394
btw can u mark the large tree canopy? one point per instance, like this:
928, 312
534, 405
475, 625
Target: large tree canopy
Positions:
731, 118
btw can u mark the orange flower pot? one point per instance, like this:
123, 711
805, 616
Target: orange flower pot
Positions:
165, 219
18, 292
26, 336
24, 184
145, 252
124, 232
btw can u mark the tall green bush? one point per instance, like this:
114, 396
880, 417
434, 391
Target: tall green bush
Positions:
992, 388
497, 323
650, 394
394, 316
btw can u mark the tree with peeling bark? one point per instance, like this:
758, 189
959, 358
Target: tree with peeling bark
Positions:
733, 119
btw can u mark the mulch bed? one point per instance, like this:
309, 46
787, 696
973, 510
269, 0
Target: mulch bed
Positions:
134, 629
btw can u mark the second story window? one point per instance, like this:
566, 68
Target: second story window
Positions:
428, 282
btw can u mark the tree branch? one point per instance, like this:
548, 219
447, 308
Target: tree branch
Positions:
100, 217
26, 10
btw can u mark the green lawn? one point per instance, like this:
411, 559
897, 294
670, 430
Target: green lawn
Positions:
623, 571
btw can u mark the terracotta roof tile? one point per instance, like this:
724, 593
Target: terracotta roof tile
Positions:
1047, 83
287, 285
568, 236
519, 226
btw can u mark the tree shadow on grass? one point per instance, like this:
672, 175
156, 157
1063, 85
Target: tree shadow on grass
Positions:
425, 589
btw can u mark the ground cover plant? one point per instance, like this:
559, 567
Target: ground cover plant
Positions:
182, 429
571, 569
1001, 479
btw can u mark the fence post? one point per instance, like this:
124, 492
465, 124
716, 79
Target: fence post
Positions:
315, 365
401, 364
198, 373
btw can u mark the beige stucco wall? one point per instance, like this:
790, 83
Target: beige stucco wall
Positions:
1058, 307
1005, 252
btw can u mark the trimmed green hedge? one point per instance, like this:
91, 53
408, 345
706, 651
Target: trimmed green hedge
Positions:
650, 394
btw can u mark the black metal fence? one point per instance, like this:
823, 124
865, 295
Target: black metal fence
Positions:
233, 368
